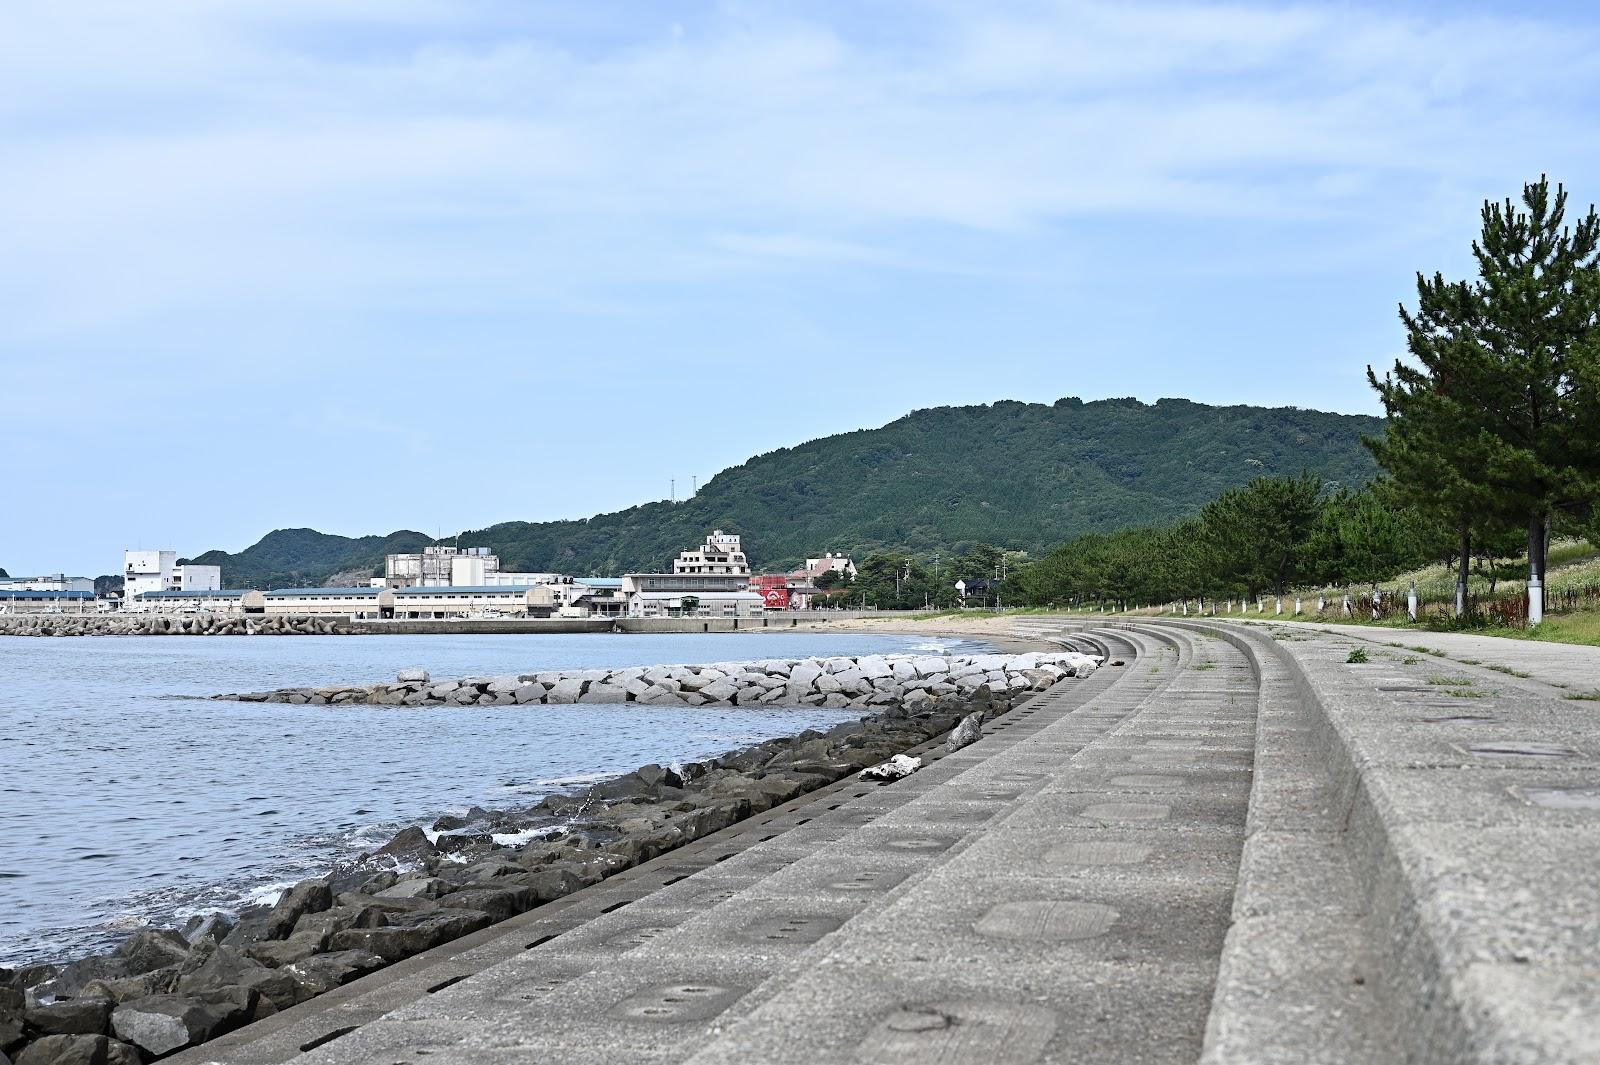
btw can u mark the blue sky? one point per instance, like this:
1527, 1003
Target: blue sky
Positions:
373, 264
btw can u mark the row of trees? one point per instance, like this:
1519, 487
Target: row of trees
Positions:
1494, 423
1268, 536
890, 581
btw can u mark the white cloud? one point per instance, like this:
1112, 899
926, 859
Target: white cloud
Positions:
153, 157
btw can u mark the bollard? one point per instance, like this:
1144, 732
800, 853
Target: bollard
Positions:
1377, 601
1321, 602
1278, 608
1535, 599
1297, 606
1346, 604
1411, 601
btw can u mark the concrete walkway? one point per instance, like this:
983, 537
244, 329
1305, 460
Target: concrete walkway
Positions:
1566, 665
1238, 847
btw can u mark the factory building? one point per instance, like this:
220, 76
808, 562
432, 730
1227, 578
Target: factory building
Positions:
460, 567
159, 571
53, 582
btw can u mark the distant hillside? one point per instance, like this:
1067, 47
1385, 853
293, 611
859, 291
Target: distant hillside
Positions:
1019, 475
3, 575
294, 558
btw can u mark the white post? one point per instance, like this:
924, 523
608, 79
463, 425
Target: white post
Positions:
1186, 608
1535, 599
1346, 604
1377, 599
1278, 608
1411, 601
1297, 606
1321, 603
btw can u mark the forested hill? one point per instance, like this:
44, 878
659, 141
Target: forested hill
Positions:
1018, 475
300, 558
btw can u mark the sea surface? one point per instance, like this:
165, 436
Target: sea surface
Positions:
126, 801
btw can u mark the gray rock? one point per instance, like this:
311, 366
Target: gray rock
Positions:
161, 1024
968, 732
312, 896
153, 948
427, 887
228, 968
324, 972
78, 1050
71, 1017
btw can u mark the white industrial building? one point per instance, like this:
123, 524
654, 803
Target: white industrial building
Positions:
51, 582
712, 582
159, 571
461, 567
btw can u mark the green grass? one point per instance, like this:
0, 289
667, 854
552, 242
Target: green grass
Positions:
1410, 660
1356, 657
1205, 665
1508, 671
1588, 697
1465, 693
1458, 682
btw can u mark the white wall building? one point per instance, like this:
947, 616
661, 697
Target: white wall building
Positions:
720, 553
458, 567
50, 582
158, 571
712, 582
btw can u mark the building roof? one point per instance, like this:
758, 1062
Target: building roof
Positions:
14, 594
467, 589
178, 593
702, 594
324, 593
599, 582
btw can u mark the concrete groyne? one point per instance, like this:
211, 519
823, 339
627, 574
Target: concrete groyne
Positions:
863, 682
171, 625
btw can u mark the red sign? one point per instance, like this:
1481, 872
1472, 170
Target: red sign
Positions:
776, 598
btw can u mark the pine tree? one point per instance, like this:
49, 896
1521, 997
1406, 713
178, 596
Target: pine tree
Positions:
1496, 424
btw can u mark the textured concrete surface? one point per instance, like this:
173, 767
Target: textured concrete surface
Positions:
1237, 847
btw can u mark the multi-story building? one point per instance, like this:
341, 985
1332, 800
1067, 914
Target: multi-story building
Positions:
719, 554
712, 582
159, 571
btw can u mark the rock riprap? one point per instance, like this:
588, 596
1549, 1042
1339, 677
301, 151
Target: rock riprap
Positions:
867, 682
166, 989
169, 625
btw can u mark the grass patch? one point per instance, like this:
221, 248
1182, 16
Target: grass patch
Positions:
1452, 682
1508, 671
1356, 657
1206, 665
1420, 649
1465, 693
1410, 660
1587, 697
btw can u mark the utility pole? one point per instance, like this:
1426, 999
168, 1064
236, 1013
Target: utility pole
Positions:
674, 489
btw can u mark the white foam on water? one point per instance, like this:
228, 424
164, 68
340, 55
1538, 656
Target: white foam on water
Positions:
527, 835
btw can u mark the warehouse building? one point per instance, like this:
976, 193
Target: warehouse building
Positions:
28, 601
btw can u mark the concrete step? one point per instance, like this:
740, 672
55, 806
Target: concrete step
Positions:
542, 978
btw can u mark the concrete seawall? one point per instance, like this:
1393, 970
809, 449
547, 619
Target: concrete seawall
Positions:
1244, 845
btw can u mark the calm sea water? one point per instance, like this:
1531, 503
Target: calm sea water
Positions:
122, 805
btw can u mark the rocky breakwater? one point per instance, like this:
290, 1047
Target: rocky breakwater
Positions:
868, 682
166, 989
168, 625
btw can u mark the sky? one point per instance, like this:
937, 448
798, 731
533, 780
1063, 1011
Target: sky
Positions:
362, 265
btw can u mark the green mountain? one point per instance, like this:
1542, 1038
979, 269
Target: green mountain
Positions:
295, 558
1018, 475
